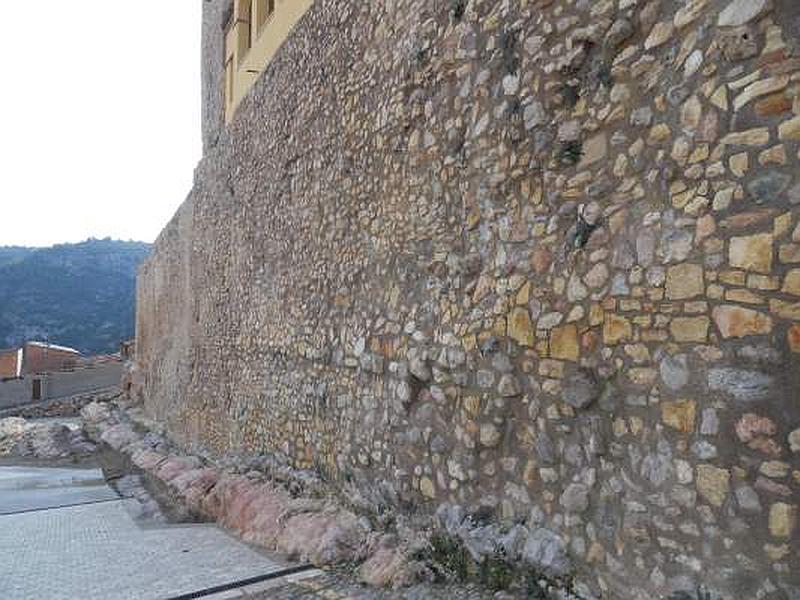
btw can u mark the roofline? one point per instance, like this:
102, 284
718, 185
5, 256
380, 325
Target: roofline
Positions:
54, 347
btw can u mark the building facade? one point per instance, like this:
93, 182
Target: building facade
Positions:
10, 363
43, 357
253, 33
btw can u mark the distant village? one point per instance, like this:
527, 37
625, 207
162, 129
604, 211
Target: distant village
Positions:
40, 371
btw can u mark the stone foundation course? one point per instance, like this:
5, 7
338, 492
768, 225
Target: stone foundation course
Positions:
295, 514
532, 260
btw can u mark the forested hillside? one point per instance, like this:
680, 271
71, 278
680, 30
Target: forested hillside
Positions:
78, 295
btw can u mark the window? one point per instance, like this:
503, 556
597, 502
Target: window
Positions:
253, 35
263, 10
229, 83
243, 22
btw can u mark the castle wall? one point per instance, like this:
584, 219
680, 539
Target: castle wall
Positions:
542, 257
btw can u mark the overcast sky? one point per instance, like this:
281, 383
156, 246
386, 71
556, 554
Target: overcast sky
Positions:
99, 117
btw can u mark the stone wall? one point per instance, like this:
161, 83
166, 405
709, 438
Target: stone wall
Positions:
61, 407
541, 257
61, 385
16, 392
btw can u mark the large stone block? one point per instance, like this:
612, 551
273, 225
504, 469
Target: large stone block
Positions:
685, 281
564, 343
520, 327
735, 321
713, 484
791, 283
782, 519
741, 12
753, 252
690, 329
679, 414
741, 384
616, 329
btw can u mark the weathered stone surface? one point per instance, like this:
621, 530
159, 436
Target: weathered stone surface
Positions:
782, 519
794, 440
760, 88
675, 371
791, 283
785, 310
534, 115
119, 436
768, 188
735, 321
520, 327
427, 487
581, 389
690, 329
776, 469
508, 386
575, 498
595, 149
753, 252
713, 483
616, 329
710, 423
750, 426
597, 276
564, 343
737, 43
322, 538
750, 137
420, 369
747, 498
384, 567
747, 386
679, 414
22, 439
620, 30
741, 12
685, 281
689, 12
789, 253
790, 130
546, 550
659, 35
490, 436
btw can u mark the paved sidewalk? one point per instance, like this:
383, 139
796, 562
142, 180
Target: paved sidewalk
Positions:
66, 535
97, 551
32, 488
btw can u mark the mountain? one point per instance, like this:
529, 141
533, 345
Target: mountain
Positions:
77, 295
13, 254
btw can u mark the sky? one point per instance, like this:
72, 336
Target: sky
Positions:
99, 117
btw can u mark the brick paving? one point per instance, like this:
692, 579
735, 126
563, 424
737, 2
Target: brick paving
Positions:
30, 488
98, 551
